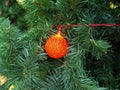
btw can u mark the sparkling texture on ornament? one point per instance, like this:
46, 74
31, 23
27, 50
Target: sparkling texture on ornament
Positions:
20, 2
113, 6
11, 87
3, 80
56, 46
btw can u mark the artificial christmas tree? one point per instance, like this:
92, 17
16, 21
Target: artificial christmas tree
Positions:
90, 54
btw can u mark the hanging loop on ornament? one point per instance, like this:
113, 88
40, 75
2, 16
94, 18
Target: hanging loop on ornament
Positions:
59, 29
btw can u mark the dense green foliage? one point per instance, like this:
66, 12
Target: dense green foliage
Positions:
93, 58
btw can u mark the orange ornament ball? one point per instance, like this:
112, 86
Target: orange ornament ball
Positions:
56, 46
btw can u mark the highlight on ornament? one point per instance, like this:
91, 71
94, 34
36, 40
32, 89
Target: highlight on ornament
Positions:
56, 46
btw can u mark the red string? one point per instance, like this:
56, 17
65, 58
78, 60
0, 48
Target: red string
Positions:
106, 25
91, 25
